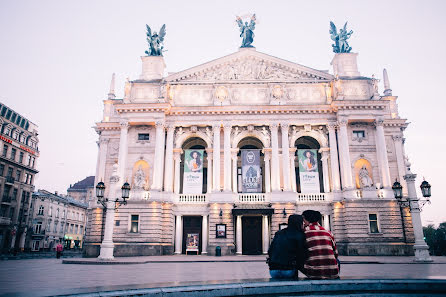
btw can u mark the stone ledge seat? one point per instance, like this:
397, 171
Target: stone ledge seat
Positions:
270, 287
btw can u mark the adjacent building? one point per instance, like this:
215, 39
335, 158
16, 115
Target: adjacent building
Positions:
220, 154
18, 159
83, 190
56, 218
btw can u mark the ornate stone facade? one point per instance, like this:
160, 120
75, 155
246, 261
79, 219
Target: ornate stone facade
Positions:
250, 100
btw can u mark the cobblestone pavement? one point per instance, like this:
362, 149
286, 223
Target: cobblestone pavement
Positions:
39, 275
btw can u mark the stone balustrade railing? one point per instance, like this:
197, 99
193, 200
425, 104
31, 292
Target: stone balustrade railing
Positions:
316, 197
192, 198
252, 197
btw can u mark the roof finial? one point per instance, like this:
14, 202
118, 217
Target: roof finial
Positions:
387, 89
111, 94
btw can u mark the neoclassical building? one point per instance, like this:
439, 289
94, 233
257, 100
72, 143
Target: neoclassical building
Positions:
321, 140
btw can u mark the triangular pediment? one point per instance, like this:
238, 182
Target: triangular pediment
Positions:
249, 65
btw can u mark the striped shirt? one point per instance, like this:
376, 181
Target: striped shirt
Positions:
322, 253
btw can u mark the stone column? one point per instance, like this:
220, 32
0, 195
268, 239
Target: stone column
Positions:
293, 169
324, 159
107, 245
238, 236
344, 153
326, 222
177, 156
234, 171
285, 157
122, 157
398, 140
335, 180
158, 169
178, 235
209, 185
216, 175
275, 173
266, 159
102, 158
227, 157
381, 150
168, 174
420, 247
204, 232
265, 234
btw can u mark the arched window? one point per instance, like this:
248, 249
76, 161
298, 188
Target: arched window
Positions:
194, 143
308, 160
255, 146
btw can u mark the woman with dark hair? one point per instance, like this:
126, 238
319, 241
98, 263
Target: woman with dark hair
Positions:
195, 163
309, 163
287, 253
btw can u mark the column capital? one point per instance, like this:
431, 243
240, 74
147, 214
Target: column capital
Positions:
170, 127
342, 121
227, 126
331, 126
397, 137
209, 151
274, 126
285, 126
159, 124
379, 122
234, 153
410, 177
216, 127
104, 140
324, 150
124, 124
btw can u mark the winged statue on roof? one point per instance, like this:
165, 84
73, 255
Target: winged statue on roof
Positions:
155, 41
340, 39
246, 30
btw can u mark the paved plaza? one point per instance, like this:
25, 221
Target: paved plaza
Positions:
40, 277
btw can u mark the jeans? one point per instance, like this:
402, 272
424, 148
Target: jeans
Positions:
282, 273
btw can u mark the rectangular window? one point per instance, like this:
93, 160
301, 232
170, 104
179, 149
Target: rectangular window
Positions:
134, 223
14, 194
11, 212
30, 179
18, 174
21, 157
8, 114
9, 174
2, 169
38, 228
5, 150
29, 160
359, 134
13, 153
14, 117
143, 136
373, 223
55, 228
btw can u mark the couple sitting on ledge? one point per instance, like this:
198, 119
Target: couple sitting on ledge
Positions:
303, 246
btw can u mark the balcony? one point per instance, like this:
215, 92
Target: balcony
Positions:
38, 234
313, 197
251, 197
9, 180
192, 198
6, 200
5, 221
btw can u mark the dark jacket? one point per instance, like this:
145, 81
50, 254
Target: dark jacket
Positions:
287, 250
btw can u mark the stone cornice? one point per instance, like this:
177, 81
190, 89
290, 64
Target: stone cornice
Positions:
261, 109
359, 105
142, 107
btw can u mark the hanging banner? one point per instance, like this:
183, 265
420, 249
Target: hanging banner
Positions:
251, 174
308, 171
193, 172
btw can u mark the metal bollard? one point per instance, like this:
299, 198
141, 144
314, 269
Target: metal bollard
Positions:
218, 251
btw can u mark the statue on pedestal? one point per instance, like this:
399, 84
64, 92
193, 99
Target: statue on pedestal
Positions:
364, 178
247, 30
155, 41
340, 39
139, 179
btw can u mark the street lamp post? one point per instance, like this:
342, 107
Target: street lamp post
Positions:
110, 206
415, 205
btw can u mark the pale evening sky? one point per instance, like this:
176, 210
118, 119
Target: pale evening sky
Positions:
57, 58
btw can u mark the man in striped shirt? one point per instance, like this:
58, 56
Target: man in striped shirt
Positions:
322, 253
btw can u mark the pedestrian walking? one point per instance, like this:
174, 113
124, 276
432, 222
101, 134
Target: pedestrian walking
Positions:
322, 253
59, 250
287, 252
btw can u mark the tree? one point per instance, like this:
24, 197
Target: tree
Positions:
436, 239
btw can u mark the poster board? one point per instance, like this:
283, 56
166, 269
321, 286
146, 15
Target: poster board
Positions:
308, 171
251, 174
192, 241
193, 172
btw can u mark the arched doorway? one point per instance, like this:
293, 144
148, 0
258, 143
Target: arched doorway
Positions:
195, 143
303, 144
254, 144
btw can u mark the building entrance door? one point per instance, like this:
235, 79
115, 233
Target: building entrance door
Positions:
251, 235
192, 228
